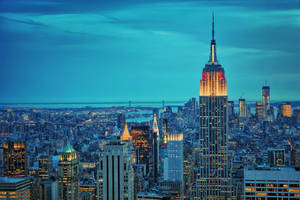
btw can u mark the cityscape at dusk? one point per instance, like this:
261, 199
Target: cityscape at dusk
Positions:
149, 100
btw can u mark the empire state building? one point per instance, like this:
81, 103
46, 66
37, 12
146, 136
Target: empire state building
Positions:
214, 178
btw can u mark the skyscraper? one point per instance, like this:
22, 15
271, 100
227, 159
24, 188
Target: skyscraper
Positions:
266, 99
115, 173
214, 181
242, 107
174, 162
259, 114
68, 174
155, 132
142, 142
15, 159
45, 166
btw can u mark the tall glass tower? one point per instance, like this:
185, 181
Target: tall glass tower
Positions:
214, 180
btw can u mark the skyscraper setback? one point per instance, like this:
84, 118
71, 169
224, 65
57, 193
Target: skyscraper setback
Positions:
214, 181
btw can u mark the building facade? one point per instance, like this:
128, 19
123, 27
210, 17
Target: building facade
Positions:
266, 100
115, 173
214, 180
68, 174
272, 184
15, 188
15, 159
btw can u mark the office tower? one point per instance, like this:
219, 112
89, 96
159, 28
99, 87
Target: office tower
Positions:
45, 166
276, 157
285, 109
126, 135
165, 131
259, 114
15, 188
270, 184
155, 133
121, 120
266, 99
15, 159
115, 174
142, 142
214, 181
230, 108
68, 174
174, 166
243, 107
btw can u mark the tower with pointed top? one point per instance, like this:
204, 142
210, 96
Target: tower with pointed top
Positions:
214, 180
156, 140
126, 135
68, 174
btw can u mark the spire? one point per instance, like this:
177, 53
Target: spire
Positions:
155, 126
213, 26
213, 53
126, 136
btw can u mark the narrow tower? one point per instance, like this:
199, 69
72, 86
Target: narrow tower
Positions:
214, 180
155, 132
68, 174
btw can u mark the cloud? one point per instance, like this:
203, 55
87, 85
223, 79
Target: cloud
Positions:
143, 49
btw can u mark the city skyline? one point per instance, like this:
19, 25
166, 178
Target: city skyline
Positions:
124, 51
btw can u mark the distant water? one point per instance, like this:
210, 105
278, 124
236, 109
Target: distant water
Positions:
152, 104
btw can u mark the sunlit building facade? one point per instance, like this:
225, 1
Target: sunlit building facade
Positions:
15, 159
259, 108
285, 109
68, 174
214, 180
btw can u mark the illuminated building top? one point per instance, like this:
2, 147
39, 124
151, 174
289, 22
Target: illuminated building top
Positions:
126, 136
213, 82
68, 153
155, 126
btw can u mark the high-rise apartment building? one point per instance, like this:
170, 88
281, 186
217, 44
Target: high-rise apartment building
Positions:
115, 173
68, 174
214, 181
15, 159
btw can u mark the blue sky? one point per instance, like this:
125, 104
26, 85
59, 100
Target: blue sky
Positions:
79, 51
